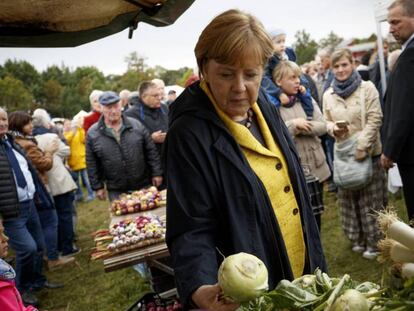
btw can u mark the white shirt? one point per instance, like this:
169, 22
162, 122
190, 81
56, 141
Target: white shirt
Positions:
407, 42
28, 192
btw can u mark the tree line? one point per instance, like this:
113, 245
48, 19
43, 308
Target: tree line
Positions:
63, 92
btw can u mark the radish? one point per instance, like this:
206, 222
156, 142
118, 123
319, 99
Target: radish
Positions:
391, 249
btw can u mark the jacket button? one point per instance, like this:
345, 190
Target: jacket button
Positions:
295, 211
286, 189
279, 166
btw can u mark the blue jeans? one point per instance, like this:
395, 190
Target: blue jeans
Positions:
64, 209
49, 221
26, 239
85, 181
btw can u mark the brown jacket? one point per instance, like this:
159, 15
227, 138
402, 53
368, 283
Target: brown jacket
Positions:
42, 161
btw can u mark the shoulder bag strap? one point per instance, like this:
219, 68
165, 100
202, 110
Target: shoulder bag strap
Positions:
363, 108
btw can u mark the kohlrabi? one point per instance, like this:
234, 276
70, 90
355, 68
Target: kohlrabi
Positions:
243, 277
351, 300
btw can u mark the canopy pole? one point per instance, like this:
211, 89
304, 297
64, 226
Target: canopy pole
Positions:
380, 50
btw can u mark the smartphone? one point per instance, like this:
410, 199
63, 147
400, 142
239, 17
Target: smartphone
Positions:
341, 123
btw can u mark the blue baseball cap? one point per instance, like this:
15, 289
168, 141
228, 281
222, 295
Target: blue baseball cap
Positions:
108, 98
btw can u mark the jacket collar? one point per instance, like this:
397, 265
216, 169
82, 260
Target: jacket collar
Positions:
6, 271
125, 123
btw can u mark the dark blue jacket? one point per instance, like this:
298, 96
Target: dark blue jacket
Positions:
273, 91
216, 202
153, 119
9, 202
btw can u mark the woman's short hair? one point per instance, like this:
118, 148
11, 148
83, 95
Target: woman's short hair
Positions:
338, 54
41, 118
283, 68
18, 119
94, 96
230, 36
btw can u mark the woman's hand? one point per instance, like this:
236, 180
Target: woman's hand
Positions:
360, 155
340, 131
207, 297
302, 89
302, 125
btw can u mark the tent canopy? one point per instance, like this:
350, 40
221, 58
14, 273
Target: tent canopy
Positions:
68, 23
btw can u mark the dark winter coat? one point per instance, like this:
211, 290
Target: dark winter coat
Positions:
9, 201
153, 119
398, 125
216, 202
124, 166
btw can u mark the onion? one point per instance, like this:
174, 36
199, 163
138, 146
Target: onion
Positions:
243, 277
351, 300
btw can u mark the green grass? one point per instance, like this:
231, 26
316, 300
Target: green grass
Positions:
89, 288
337, 247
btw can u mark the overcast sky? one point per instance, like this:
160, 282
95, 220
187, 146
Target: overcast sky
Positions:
172, 47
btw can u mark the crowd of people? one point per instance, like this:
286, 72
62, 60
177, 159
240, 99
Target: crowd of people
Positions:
114, 149
249, 150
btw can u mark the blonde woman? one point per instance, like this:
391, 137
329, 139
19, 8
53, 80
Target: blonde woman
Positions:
342, 104
304, 130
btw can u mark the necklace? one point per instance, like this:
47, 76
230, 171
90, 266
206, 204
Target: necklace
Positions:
249, 120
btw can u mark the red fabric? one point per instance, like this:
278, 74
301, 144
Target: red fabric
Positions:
90, 120
10, 298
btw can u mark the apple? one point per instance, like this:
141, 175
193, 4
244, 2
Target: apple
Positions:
130, 209
118, 212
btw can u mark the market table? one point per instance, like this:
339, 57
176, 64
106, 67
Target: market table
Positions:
148, 254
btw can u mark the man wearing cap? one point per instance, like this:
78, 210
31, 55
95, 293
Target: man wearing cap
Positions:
120, 153
149, 110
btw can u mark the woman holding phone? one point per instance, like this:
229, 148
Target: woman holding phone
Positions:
342, 104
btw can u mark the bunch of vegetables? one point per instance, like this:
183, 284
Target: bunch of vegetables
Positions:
145, 227
138, 201
398, 246
243, 278
141, 231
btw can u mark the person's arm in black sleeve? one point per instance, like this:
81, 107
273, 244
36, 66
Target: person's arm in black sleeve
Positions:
402, 110
191, 213
152, 154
